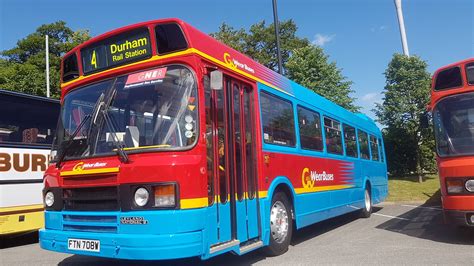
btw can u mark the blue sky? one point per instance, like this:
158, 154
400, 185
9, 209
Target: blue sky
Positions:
359, 35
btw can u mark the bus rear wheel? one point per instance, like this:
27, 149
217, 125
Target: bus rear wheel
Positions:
367, 210
281, 225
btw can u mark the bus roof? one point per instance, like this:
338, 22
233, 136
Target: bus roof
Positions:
28, 96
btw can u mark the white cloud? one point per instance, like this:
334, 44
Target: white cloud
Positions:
379, 28
369, 96
321, 39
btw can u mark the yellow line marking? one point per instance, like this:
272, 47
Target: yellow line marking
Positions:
90, 171
193, 203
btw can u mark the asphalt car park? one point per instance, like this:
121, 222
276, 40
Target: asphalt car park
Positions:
394, 234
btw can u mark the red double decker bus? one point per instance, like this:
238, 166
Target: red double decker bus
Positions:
452, 106
171, 144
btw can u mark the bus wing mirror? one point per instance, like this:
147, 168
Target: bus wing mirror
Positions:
217, 80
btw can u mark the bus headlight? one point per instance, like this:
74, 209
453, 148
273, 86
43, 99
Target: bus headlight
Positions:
49, 199
454, 186
141, 196
469, 185
165, 195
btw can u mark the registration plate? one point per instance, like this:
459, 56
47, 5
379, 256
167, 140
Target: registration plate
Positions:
83, 244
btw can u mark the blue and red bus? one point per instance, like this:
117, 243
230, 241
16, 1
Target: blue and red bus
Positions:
452, 106
171, 144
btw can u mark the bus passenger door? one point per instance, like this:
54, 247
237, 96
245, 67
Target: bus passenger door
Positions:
231, 158
242, 161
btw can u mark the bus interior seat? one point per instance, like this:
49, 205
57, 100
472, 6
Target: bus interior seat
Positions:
132, 136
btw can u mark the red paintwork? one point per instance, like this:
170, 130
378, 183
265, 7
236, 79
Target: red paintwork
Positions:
188, 168
292, 166
457, 166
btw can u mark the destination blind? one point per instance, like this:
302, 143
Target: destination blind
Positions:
118, 50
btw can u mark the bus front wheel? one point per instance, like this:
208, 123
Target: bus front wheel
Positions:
281, 225
367, 210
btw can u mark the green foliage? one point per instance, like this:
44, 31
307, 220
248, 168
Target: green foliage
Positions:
310, 67
407, 90
303, 62
23, 67
259, 42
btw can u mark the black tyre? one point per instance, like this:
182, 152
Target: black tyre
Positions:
367, 210
281, 225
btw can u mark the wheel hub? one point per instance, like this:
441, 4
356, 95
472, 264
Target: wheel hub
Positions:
279, 222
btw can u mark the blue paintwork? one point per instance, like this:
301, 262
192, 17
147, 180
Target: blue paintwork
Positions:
186, 233
310, 208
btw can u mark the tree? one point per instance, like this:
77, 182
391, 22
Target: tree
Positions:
259, 42
407, 90
22, 68
309, 67
303, 62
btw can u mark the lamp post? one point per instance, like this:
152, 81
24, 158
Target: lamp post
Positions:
47, 67
401, 24
277, 35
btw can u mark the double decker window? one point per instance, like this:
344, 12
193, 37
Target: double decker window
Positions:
310, 129
278, 120
333, 136
350, 142
448, 79
470, 73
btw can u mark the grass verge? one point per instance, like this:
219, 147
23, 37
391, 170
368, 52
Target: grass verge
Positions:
407, 189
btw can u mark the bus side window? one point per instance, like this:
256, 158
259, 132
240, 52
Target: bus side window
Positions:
277, 120
309, 124
333, 136
363, 145
381, 150
350, 141
374, 148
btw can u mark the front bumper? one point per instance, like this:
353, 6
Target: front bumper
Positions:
128, 246
167, 234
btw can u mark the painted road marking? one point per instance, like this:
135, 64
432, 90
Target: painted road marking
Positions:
429, 208
393, 217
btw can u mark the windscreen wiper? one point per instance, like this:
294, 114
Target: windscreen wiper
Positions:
68, 145
119, 147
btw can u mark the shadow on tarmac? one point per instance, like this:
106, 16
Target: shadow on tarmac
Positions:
427, 223
19, 240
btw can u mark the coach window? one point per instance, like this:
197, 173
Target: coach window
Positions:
350, 141
277, 120
333, 136
363, 145
374, 148
34, 122
310, 129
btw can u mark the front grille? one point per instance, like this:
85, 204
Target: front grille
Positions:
90, 223
91, 199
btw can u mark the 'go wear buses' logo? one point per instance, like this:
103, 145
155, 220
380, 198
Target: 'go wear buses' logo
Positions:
308, 177
83, 166
234, 64
229, 61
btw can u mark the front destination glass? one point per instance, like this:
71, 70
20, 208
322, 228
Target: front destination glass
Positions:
454, 125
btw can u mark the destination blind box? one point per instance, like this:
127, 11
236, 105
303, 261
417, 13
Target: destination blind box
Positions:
121, 49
